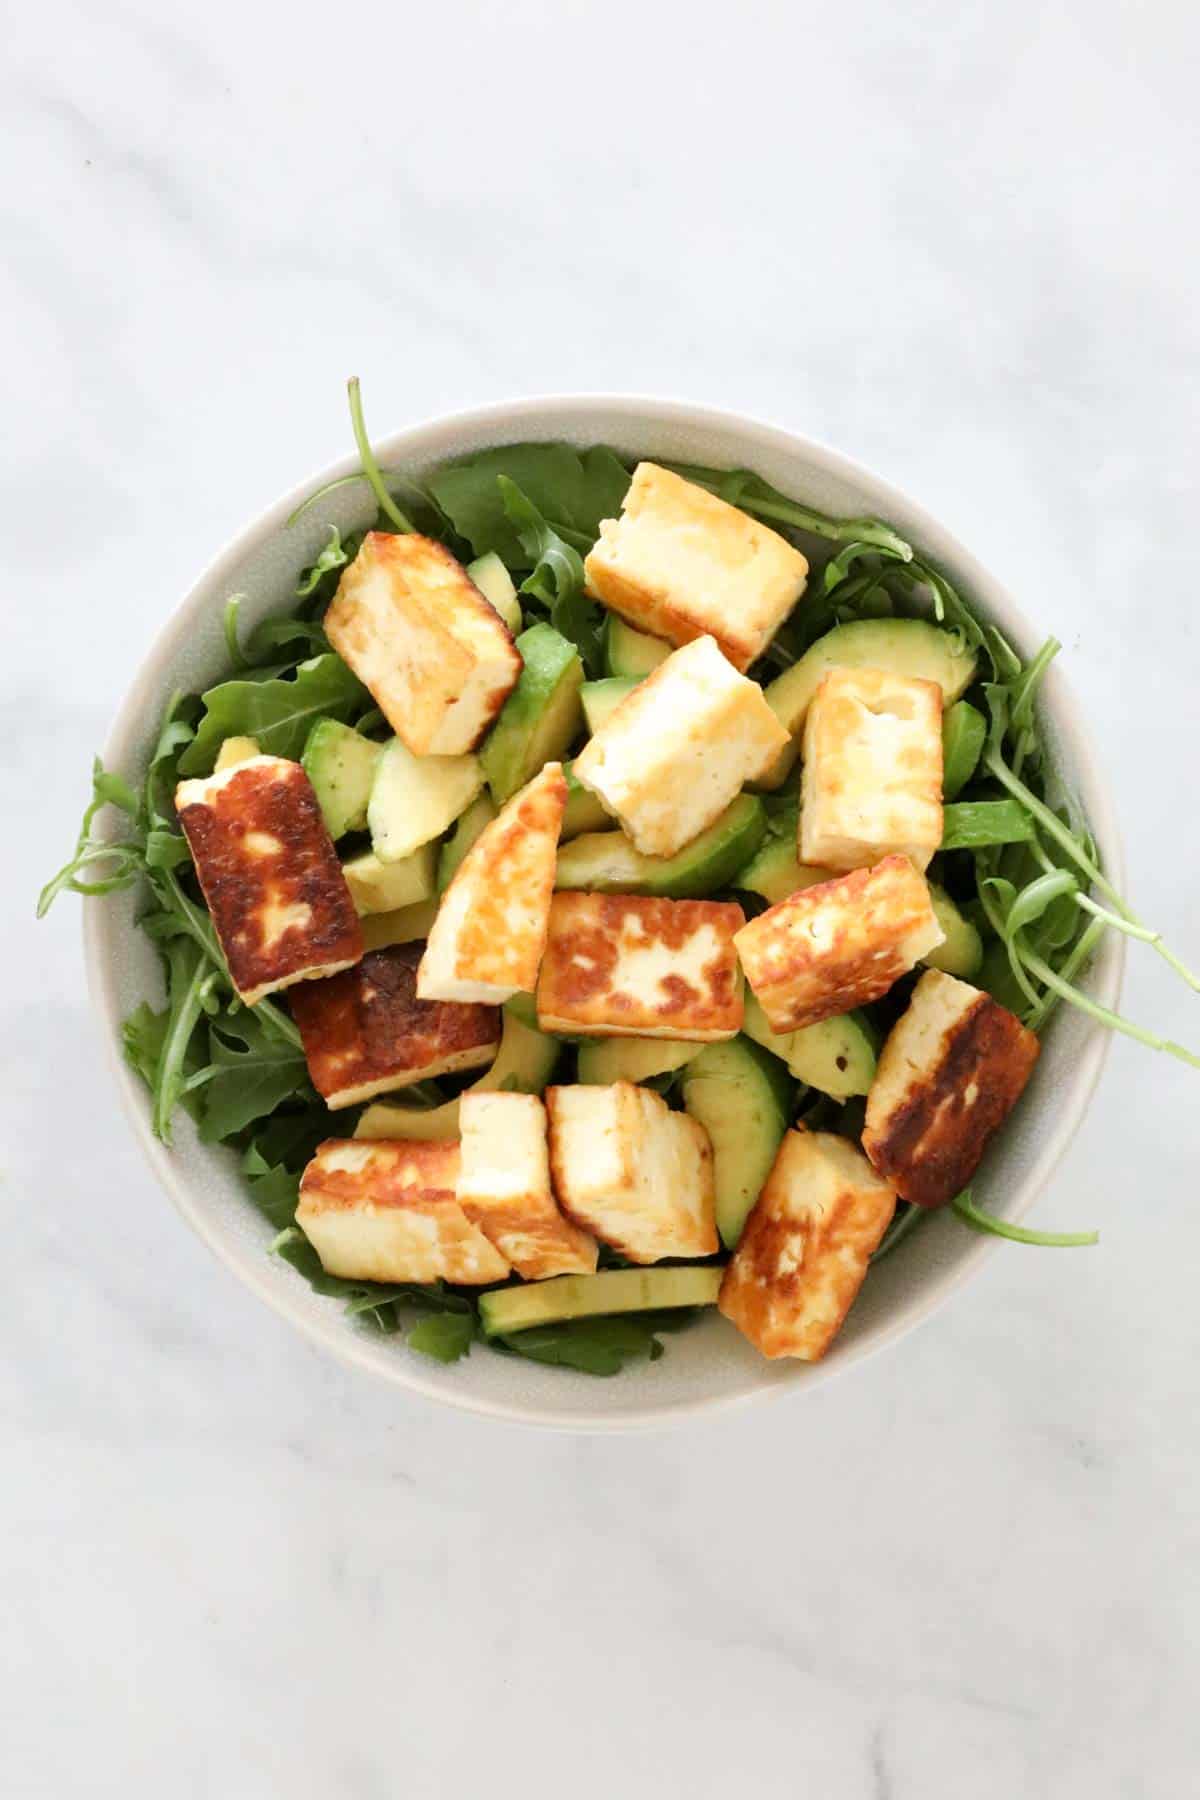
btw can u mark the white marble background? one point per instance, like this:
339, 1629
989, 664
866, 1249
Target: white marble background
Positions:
958, 241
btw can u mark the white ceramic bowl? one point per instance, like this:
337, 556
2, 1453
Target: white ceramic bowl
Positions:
710, 1366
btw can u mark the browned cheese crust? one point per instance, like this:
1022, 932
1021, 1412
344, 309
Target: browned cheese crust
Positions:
365, 1032
630, 963
270, 875
928, 1125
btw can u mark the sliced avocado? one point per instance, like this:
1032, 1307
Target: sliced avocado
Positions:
743, 1099
585, 811
775, 871
631, 653
904, 646
472, 823
523, 1008
540, 717
496, 585
524, 1064
415, 798
341, 765
404, 926
835, 1056
602, 698
602, 1060
962, 951
235, 750
508, 1309
963, 732
606, 862
379, 887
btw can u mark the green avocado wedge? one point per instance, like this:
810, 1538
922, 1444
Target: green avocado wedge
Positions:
835, 1056
903, 646
743, 1099
508, 1309
606, 862
541, 716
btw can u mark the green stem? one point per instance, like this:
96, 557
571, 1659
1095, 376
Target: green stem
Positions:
1084, 946
320, 493
1114, 1021
986, 1222
840, 531
371, 468
169, 1082
1143, 933
899, 1229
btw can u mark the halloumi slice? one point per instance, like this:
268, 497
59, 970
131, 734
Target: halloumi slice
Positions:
387, 1210
437, 658
806, 1246
680, 747
632, 1172
627, 965
504, 1187
872, 777
680, 563
953, 1067
270, 875
839, 944
487, 941
365, 1032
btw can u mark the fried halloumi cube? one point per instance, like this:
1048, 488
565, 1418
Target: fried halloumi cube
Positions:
504, 1187
872, 778
487, 940
680, 563
438, 659
676, 751
269, 872
632, 1172
952, 1069
806, 1246
840, 944
365, 1032
387, 1210
626, 965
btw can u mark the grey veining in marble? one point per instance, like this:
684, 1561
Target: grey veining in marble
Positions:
953, 240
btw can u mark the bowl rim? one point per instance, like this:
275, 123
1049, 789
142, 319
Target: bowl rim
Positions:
570, 411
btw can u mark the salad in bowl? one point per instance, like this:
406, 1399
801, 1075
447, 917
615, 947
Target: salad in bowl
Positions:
613, 893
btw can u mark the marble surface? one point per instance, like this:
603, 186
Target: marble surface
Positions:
950, 239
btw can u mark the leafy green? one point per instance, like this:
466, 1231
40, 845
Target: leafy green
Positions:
970, 824
371, 469
595, 1346
252, 1073
571, 492
332, 557
444, 1336
278, 714
557, 577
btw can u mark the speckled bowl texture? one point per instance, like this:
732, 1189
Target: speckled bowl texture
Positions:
709, 1366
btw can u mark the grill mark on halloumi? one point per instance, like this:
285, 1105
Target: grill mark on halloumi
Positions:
628, 963
365, 1032
270, 875
839, 944
952, 1069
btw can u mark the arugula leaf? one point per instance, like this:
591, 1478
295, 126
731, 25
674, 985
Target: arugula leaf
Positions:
571, 491
278, 714
122, 860
190, 981
332, 557
987, 1223
593, 1346
557, 577
275, 1192
371, 469
444, 1336
253, 1073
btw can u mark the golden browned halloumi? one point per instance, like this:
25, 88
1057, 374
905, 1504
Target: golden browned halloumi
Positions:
872, 779
387, 1210
270, 875
438, 659
677, 750
365, 1032
504, 1187
839, 944
632, 1172
680, 563
805, 1249
487, 940
627, 965
952, 1069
